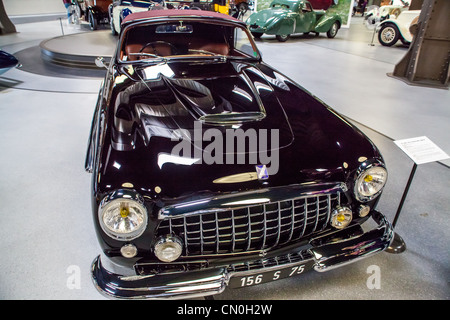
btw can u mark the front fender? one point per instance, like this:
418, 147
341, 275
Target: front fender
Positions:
326, 21
392, 21
271, 22
281, 25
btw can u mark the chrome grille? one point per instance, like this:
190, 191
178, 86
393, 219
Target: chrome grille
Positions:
255, 227
270, 262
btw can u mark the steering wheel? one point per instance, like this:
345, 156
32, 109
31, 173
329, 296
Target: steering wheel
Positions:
155, 51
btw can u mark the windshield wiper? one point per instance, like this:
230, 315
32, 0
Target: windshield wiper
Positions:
208, 54
150, 55
232, 117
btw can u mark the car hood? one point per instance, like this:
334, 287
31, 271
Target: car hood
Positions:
186, 100
156, 149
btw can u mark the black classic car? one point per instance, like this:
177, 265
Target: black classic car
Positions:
210, 169
7, 61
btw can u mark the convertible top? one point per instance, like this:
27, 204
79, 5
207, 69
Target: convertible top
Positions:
144, 15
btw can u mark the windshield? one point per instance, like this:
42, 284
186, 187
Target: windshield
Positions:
186, 39
280, 6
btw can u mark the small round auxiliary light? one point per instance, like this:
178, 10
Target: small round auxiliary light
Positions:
128, 251
363, 210
341, 217
168, 248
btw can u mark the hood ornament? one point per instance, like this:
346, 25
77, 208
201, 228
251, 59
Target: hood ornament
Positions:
261, 172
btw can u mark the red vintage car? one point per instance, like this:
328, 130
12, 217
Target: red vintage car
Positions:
96, 12
321, 4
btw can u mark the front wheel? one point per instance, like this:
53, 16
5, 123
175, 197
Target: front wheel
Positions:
333, 30
92, 21
388, 35
283, 37
113, 29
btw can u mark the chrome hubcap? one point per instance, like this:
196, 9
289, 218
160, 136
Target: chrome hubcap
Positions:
334, 29
388, 34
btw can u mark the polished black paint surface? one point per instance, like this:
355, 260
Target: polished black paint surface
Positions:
7, 61
312, 136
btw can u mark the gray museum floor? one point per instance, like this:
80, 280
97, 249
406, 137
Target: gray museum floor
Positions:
47, 234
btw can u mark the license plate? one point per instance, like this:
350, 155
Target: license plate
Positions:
268, 276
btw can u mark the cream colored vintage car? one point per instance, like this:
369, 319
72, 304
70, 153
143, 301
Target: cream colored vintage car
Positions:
384, 12
392, 30
119, 9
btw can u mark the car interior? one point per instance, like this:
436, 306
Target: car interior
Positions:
178, 39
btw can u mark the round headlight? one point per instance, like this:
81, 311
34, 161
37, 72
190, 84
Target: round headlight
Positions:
123, 218
370, 183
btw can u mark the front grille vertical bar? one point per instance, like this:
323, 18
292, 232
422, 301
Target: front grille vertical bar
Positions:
185, 235
201, 233
265, 226
249, 230
233, 234
305, 217
217, 233
328, 211
292, 220
317, 213
279, 224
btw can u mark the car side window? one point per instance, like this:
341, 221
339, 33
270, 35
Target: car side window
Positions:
306, 7
280, 6
242, 43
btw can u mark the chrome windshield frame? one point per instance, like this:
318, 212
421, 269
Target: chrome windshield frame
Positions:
207, 20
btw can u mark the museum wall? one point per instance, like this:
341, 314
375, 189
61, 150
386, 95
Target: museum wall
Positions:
33, 7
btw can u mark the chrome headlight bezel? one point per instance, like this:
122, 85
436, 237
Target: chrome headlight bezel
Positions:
362, 182
168, 242
110, 208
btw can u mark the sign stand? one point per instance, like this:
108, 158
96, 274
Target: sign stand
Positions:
398, 245
420, 150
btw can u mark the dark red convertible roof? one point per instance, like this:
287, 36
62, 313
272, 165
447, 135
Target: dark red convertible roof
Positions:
144, 15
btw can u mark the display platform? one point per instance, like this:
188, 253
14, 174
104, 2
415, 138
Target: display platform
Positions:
80, 49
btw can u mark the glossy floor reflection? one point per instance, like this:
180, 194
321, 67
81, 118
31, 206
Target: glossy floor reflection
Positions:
47, 234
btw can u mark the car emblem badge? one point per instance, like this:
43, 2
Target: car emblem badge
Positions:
261, 172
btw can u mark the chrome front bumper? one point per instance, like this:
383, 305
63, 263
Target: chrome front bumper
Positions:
328, 252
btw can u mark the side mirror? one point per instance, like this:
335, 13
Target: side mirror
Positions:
100, 62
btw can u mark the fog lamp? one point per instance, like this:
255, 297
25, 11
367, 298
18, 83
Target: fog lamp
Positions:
128, 251
341, 217
168, 248
363, 210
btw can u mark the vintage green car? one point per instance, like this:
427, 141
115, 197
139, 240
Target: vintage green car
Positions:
285, 17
